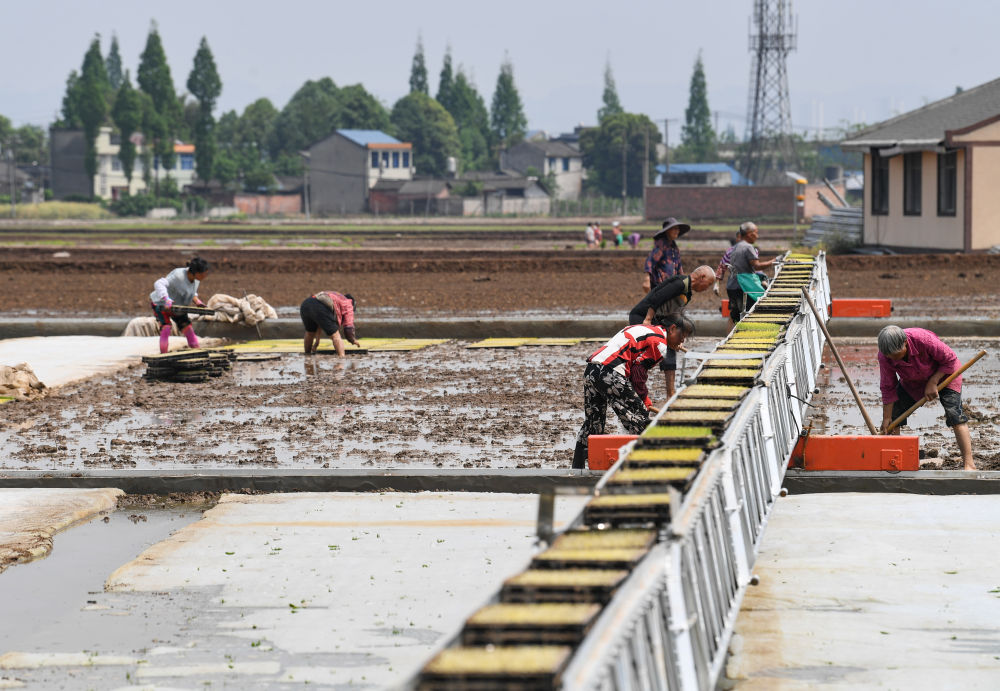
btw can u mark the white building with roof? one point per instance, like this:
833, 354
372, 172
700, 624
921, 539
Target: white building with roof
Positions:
344, 167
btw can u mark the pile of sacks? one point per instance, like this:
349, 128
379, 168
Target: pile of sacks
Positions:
20, 383
249, 310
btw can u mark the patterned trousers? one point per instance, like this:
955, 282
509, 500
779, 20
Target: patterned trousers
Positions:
602, 386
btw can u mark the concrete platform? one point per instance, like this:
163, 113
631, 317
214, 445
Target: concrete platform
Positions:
333, 590
873, 591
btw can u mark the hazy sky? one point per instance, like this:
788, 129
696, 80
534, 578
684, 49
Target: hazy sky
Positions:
857, 60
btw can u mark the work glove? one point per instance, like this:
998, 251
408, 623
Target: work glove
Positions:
168, 307
715, 288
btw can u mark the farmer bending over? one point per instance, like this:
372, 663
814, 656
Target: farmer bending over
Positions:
328, 311
179, 286
912, 362
616, 374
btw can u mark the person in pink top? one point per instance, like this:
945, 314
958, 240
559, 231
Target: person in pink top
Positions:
331, 312
912, 363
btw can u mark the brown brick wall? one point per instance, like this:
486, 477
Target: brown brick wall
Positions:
692, 202
268, 204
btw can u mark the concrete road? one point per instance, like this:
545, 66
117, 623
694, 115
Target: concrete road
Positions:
337, 590
874, 591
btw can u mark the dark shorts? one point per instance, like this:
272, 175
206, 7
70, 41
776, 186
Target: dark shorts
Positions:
315, 315
950, 399
736, 308
182, 320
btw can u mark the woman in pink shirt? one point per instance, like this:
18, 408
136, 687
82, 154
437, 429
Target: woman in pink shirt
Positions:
912, 363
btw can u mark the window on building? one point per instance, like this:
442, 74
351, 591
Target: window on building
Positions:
116, 163
406, 159
187, 161
385, 159
552, 163
911, 183
880, 184
395, 159
947, 194
566, 164
374, 159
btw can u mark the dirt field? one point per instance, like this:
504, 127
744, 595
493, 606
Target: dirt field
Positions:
428, 282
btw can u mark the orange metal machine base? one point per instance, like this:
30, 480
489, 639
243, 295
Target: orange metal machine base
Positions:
828, 452
860, 308
602, 449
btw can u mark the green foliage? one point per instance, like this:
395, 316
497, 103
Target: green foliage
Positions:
473, 122
612, 106
418, 71
154, 79
470, 188
446, 84
310, 115
31, 145
602, 153
6, 130
204, 83
92, 106
507, 121
258, 178
169, 189
424, 122
70, 108
142, 204
359, 110
50, 210
255, 127
127, 116
113, 65
698, 141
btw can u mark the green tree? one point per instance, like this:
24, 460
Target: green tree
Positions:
698, 141
602, 149
205, 85
446, 83
32, 145
227, 129
154, 79
424, 122
418, 70
113, 63
127, 116
255, 127
6, 130
71, 103
473, 122
359, 110
312, 114
612, 106
507, 121
92, 104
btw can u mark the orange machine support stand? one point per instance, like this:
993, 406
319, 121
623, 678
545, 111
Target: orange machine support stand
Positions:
891, 453
725, 307
860, 308
602, 449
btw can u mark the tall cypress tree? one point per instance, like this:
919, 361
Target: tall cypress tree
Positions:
155, 81
446, 83
127, 115
205, 85
473, 122
697, 135
612, 106
418, 70
114, 64
92, 104
507, 121
71, 102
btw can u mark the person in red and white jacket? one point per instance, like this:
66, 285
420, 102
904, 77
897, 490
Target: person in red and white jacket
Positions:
616, 374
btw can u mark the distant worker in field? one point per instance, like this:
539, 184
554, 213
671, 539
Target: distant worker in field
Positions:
589, 236
179, 287
664, 259
619, 237
329, 311
912, 363
598, 234
670, 297
744, 286
633, 240
616, 375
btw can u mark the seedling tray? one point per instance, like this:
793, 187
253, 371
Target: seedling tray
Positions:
543, 623
563, 585
689, 403
679, 477
714, 391
628, 509
671, 436
554, 558
526, 668
605, 539
691, 456
716, 419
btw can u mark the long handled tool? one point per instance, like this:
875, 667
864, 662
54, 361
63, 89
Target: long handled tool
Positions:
948, 380
847, 377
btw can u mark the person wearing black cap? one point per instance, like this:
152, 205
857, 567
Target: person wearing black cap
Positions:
664, 260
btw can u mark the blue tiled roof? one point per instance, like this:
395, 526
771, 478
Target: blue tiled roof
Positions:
366, 137
705, 168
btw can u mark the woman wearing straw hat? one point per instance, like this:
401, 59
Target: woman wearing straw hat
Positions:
664, 260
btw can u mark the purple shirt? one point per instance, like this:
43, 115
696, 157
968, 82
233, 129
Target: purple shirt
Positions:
663, 261
926, 354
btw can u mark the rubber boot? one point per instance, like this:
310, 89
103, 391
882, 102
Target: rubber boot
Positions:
164, 338
580, 456
192, 337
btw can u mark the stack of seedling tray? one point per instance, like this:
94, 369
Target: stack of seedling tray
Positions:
189, 366
522, 667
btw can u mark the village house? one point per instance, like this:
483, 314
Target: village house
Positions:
345, 167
